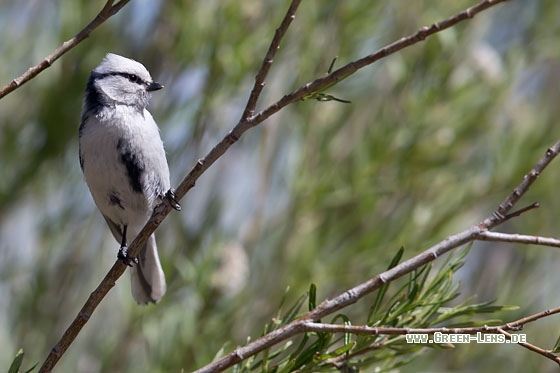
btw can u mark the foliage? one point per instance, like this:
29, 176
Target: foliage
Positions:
433, 139
16, 363
420, 302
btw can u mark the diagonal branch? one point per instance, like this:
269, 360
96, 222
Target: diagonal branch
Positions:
108, 10
160, 212
274, 46
532, 347
516, 325
349, 69
485, 329
354, 294
519, 238
82, 318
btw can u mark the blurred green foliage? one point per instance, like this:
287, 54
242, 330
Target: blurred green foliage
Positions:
323, 192
417, 303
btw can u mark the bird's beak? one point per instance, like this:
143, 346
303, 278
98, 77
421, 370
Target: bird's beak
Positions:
154, 86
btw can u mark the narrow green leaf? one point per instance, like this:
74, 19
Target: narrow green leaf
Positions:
331, 67
300, 347
16, 364
292, 313
346, 320
312, 297
322, 97
397, 258
413, 291
32, 368
556, 347
339, 351
383, 290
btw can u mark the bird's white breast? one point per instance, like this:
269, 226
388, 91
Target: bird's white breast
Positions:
107, 175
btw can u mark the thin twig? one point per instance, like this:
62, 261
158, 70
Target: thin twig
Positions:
518, 238
485, 329
108, 10
349, 69
268, 59
517, 213
534, 317
534, 348
368, 330
528, 179
82, 318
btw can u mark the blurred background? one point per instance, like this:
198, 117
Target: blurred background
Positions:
435, 137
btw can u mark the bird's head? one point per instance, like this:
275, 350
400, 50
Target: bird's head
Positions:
120, 80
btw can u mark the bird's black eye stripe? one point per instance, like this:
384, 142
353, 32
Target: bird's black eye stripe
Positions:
132, 77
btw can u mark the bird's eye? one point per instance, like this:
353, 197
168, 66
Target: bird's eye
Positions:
134, 78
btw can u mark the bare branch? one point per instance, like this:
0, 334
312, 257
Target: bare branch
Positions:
535, 317
500, 329
265, 67
515, 214
534, 348
518, 238
83, 316
528, 179
108, 10
368, 330
349, 69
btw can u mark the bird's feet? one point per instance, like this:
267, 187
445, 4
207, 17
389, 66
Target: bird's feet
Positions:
125, 258
170, 196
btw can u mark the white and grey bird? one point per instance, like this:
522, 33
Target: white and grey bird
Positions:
124, 164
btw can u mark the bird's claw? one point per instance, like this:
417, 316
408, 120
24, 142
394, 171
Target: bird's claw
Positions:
171, 198
125, 258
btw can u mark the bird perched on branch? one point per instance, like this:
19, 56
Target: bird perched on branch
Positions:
124, 164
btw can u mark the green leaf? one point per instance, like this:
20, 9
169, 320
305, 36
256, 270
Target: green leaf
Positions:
16, 364
301, 346
397, 258
31, 369
339, 351
556, 347
470, 309
321, 97
383, 290
312, 297
292, 313
331, 67
346, 320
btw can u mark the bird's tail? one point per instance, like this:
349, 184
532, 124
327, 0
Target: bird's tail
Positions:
147, 278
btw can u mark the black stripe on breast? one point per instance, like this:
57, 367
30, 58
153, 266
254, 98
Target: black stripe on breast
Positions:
134, 165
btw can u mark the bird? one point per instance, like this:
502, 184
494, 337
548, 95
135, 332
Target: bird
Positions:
123, 161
